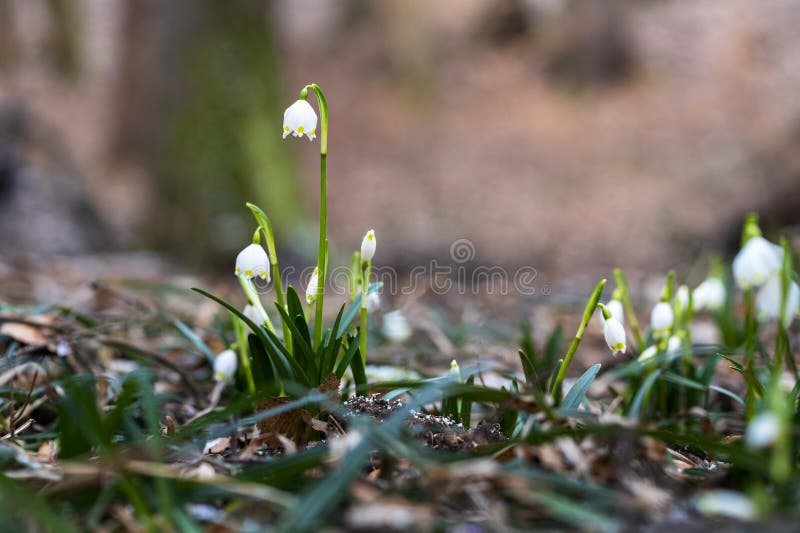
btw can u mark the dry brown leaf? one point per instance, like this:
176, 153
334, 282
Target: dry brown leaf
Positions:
330, 385
286, 424
218, 445
24, 333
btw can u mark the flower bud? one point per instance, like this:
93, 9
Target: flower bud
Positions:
368, 246
225, 365
313, 287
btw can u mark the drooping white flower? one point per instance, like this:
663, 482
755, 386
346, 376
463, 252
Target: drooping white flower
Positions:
616, 309
762, 431
373, 302
225, 365
756, 262
614, 333
313, 287
300, 119
254, 313
674, 344
710, 294
396, 327
768, 301
253, 261
661, 319
368, 246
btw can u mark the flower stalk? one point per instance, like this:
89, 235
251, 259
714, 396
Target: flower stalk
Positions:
588, 311
322, 254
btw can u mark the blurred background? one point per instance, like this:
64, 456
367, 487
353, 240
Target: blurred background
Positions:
568, 135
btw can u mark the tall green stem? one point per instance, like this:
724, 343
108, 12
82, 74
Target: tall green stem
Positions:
594, 299
750, 328
366, 268
252, 295
322, 254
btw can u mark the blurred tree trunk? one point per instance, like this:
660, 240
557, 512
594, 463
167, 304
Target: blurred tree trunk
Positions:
199, 109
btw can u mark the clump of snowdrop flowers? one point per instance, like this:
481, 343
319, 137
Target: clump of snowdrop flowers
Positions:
757, 262
313, 287
710, 295
613, 331
396, 327
253, 261
368, 245
768, 301
300, 119
225, 366
661, 319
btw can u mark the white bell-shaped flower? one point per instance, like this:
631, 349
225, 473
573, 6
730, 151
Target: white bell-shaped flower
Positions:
710, 294
225, 366
616, 309
373, 302
253, 261
396, 327
300, 119
254, 313
614, 333
756, 262
661, 319
768, 301
762, 431
674, 344
368, 246
313, 287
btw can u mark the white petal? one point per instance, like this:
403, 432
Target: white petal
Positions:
301, 119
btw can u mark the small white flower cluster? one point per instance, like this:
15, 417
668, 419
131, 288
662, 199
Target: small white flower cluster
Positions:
758, 265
